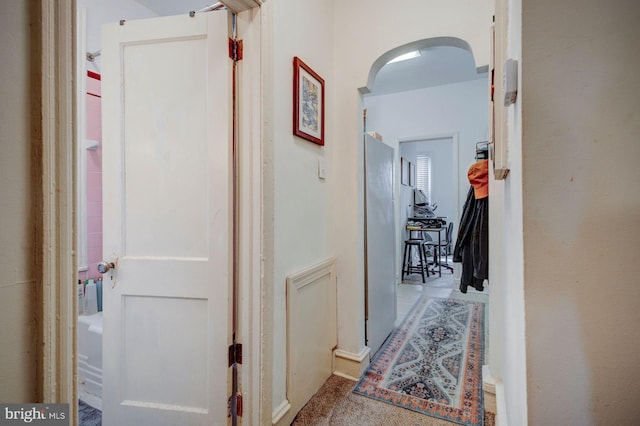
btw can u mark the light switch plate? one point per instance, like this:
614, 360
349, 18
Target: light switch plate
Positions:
321, 169
510, 81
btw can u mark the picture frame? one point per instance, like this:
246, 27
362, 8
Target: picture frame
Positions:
308, 103
404, 171
411, 173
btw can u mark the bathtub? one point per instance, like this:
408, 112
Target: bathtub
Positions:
90, 359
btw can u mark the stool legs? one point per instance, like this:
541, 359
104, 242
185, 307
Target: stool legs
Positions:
422, 263
405, 268
407, 260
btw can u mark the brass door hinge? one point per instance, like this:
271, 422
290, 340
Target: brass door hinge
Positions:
235, 403
235, 49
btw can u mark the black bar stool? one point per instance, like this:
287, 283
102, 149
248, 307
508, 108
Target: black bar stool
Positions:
408, 267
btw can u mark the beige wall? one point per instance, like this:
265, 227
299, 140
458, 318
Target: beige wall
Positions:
581, 203
300, 198
17, 272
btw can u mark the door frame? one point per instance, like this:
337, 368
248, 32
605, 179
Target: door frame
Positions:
455, 163
56, 140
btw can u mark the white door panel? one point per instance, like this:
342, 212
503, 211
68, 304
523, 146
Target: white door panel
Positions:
166, 133
380, 249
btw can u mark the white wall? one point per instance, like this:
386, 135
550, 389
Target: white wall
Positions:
460, 108
364, 32
301, 200
573, 195
18, 182
514, 368
442, 192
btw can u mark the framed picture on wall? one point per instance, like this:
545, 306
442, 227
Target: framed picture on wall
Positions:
411, 172
404, 171
308, 103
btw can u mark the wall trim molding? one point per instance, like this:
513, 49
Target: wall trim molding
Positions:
252, 304
307, 371
349, 365
242, 5
281, 412
489, 382
81, 130
501, 405
54, 52
264, 404
493, 389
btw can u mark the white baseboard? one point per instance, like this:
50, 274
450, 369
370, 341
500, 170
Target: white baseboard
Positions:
489, 389
493, 387
501, 416
349, 365
344, 376
280, 412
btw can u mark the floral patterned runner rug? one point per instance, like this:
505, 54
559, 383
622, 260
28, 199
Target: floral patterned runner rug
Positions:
432, 363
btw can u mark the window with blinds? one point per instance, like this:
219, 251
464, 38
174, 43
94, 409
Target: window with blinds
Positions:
423, 175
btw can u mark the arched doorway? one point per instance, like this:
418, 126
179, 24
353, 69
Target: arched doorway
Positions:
437, 94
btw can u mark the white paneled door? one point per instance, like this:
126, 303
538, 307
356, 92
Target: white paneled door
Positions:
380, 243
167, 220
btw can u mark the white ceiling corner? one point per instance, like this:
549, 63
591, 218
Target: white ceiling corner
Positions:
173, 7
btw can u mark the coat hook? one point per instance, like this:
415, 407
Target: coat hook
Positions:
122, 21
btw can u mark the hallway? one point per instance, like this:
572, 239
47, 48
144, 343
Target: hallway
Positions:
335, 404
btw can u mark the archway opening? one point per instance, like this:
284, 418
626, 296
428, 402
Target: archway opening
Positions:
439, 94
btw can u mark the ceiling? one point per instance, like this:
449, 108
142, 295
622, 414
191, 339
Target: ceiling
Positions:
173, 7
436, 66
